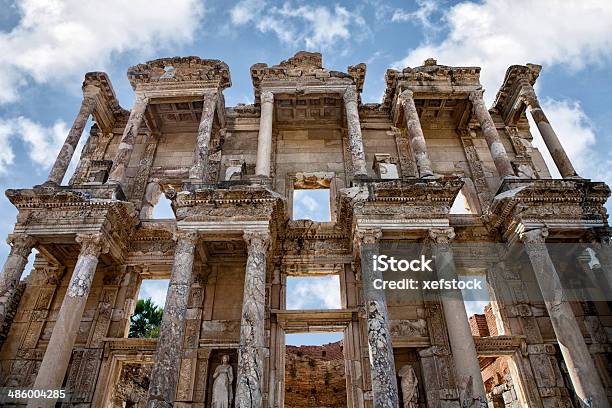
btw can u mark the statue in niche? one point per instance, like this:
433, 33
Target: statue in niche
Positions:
410, 386
222, 396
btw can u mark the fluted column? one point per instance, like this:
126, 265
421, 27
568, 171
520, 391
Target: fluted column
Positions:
562, 161
58, 171
459, 333
165, 374
21, 247
251, 353
59, 350
415, 132
126, 146
200, 154
264, 138
354, 133
382, 362
580, 365
498, 151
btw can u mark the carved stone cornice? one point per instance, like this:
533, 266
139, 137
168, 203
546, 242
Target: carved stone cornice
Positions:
181, 69
429, 76
500, 345
509, 101
565, 204
304, 71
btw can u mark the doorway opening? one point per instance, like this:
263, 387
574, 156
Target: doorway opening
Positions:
314, 370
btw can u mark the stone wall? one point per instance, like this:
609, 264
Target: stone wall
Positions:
314, 376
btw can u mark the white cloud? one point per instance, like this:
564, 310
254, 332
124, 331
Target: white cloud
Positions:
421, 15
313, 293
497, 33
154, 289
316, 27
57, 39
42, 143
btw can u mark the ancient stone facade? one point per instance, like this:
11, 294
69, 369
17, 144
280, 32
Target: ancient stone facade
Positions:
393, 170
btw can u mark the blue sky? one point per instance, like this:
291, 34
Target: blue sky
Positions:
48, 45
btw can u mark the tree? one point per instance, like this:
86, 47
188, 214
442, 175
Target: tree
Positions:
146, 319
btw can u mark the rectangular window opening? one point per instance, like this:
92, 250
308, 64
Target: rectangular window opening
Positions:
313, 292
312, 204
314, 370
148, 308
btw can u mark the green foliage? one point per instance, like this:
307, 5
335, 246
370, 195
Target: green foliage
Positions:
146, 320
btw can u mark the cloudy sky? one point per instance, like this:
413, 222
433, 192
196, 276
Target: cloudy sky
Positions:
48, 45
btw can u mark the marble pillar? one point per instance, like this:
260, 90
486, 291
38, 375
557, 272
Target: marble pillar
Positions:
415, 133
562, 161
264, 139
59, 350
498, 151
252, 349
126, 146
58, 171
354, 133
580, 365
382, 362
200, 154
469, 380
165, 374
21, 247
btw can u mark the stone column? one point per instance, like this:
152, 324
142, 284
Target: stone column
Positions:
252, 337
498, 152
200, 154
382, 363
59, 350
417, 139
455, 315
165, 374
354, 133
580, 365
74, 135
126, 146
264, 139
563, 163
21, 247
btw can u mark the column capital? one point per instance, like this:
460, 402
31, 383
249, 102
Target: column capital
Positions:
92, 244
441, 235
266, 97
141, 98
529, 96
21, 242
476, 95
190, 237
350, 94
405, 96
258, 241
368, 235
534, 236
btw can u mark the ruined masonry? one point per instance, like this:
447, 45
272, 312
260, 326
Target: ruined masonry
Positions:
392, 170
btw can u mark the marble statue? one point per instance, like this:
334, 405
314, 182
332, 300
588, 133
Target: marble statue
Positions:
222, 396
410, 386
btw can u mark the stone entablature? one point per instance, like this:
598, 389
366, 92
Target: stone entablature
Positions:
393, 171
